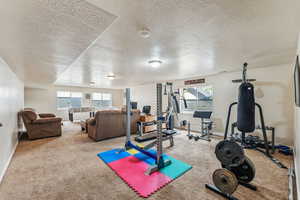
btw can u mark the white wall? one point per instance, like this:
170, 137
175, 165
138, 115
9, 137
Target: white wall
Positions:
297, 137
273, 92
146, 95
44, 100
11, 102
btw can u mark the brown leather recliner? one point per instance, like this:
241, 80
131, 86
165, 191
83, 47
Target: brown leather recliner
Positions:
111, 123
41, 125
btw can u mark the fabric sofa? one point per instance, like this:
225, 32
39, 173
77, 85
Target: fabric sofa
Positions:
111, 123
41, 125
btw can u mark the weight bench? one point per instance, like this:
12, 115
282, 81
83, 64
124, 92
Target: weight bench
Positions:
206, 124
167, 135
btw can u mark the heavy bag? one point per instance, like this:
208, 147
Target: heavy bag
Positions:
246, 108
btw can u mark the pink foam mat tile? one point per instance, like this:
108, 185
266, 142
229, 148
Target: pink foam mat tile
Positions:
132, 171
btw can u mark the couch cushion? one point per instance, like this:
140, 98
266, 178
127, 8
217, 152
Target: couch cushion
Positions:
104, 112
30, 115
132, 110
48, 120
46, 115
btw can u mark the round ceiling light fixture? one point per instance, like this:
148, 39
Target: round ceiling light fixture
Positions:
145, 33
155, 63
110, 76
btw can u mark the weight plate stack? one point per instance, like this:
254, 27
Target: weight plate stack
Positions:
244, 172
225, 181
230, 153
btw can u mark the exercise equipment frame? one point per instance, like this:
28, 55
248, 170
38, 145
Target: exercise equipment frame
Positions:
247, 97
263, 127
160, 162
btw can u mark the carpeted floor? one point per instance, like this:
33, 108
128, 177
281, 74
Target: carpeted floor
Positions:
67, 168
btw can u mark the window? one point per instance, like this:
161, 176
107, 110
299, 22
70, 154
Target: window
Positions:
68, 99
198, 98
101, 100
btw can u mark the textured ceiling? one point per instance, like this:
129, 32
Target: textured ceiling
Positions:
191, 37
40, 38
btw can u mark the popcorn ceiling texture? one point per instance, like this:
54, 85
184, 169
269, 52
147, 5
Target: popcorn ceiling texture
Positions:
191, 37
44, 37
44, 41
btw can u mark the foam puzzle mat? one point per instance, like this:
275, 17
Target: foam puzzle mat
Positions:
131, 166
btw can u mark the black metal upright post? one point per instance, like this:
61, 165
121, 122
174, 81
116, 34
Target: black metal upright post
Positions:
243, 139
228, 119
263, 128
232, 129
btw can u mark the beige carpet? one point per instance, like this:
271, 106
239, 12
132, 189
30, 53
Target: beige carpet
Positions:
67, 168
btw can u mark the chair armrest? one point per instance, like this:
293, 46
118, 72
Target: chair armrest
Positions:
47, 120
46, 115
91, 122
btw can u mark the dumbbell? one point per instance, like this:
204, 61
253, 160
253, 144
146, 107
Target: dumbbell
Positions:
196, 138
190, 136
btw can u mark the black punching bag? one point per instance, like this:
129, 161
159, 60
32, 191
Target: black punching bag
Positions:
246, 108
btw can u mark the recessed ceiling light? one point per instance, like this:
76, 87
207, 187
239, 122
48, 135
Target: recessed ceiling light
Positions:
155, 63
110, 76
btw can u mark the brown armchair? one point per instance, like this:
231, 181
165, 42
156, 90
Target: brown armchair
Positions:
111, 123
48, 125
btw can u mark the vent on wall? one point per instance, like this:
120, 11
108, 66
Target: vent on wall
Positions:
88, 96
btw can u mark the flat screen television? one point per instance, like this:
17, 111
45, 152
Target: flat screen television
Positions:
133, 105
297, 82
147, 110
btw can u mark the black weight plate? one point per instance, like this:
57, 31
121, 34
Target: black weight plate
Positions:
245, 172
225, 180
230, 153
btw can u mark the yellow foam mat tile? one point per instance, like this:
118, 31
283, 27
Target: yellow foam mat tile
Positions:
132, 151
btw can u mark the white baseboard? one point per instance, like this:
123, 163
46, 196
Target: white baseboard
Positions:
296, 174
8, 162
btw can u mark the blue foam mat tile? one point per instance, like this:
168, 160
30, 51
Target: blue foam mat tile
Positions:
176, 169
145, 158
113, 155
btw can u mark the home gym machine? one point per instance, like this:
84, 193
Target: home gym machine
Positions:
172, 108
170, 113
160, 162
237, 169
